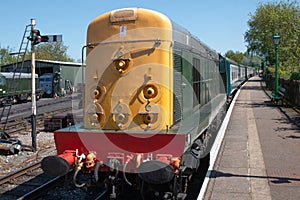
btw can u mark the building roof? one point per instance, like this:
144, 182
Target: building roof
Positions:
17, 75
59, 62
48, 62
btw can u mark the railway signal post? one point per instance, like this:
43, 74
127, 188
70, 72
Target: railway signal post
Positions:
33, 99
36, 38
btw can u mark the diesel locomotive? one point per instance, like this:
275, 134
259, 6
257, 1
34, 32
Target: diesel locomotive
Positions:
154, 99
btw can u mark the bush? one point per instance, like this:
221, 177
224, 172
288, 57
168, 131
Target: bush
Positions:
295, 76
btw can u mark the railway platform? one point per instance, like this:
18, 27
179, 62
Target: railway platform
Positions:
259, 157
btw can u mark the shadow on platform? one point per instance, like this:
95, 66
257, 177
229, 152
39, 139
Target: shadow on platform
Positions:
272, 179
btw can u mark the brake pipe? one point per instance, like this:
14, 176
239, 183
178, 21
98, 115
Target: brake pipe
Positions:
129, 158
78, 168
96, 172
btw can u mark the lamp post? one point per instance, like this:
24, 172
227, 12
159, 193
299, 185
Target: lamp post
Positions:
276, 40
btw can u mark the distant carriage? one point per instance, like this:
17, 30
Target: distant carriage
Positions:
64, 76
233, 74
16, 87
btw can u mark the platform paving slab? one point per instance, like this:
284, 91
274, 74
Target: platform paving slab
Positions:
259, 157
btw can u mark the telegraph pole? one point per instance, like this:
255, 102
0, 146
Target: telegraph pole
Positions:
33, 97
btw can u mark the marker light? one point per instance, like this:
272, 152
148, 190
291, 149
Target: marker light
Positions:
150, 91
121, 65
97, 93
147, 118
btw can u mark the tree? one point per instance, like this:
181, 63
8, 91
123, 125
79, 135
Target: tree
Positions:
271, 18
46, 51
5, 56
52, 51
236, 56
244, 58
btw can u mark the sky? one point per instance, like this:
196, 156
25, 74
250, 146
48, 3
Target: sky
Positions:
220, 24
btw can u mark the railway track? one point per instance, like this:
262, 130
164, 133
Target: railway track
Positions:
22, 182
20, 114
32, 183
27, 183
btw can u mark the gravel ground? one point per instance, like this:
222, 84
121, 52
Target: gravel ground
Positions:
45, 146
45, 143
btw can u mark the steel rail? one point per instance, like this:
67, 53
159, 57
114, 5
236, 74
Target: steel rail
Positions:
34, 194
19, 172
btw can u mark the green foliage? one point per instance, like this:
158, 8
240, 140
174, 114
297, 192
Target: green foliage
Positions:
52, 51
244, 58
235, 56
295, 76
270, 18
285, 74
5, 57
47, 51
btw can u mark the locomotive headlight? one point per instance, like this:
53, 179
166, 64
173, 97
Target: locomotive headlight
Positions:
148, 118
121, 64
97, 93
150, 91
